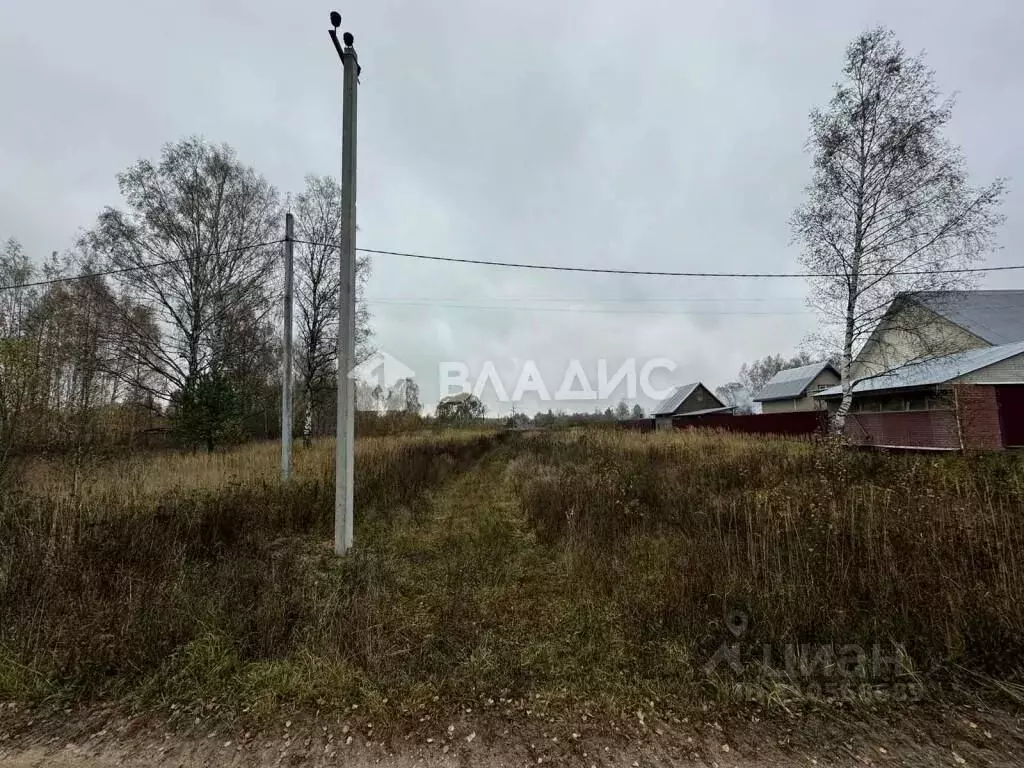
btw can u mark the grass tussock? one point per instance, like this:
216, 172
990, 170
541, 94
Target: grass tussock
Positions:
584, 565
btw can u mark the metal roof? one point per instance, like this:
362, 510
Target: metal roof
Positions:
937, 370
668, 406
791, 383
994, 316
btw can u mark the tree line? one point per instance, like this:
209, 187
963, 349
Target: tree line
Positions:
177, 315
173, 324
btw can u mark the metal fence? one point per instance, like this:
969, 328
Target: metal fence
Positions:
795, 423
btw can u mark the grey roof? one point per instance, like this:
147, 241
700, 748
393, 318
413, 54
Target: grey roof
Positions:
792, 382
994, 316
937, 370
668, 406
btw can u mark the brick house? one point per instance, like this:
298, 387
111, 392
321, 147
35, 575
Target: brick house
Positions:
943, 370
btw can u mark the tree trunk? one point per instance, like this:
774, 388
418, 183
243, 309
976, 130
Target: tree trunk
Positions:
307, 423
852, 295
838, 424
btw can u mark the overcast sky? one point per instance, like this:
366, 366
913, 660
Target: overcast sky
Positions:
643, 135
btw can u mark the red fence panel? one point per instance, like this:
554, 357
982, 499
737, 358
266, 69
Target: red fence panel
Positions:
790, 423
904, 429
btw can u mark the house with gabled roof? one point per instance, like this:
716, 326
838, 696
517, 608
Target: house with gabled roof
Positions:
943, 370
794, 388
690, 400
930, 324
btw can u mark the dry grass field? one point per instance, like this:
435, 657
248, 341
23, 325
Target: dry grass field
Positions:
568, 570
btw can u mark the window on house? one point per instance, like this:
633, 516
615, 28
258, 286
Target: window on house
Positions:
866, 406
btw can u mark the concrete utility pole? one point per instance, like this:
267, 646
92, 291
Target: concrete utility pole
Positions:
344, 468
286, 374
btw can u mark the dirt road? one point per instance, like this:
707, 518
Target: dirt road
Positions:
953, 736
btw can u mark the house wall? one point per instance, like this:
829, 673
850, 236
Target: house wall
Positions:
1011, 413
823, 380
908, 333
1009, 371
699, 400
786, 406
978, 408
922, 399
970, 421
904, 429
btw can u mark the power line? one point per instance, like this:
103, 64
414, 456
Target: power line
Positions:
137, 267
655, 273
598, 300
594, 310
518, 265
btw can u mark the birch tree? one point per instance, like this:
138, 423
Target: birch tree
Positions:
889, 208
205, 219
317, 275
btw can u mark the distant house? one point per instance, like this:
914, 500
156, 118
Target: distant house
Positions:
689, 399
794, 388
943, 370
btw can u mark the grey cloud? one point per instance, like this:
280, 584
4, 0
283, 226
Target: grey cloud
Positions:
652, 135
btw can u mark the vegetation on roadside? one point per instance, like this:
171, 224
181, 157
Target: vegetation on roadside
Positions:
588, 567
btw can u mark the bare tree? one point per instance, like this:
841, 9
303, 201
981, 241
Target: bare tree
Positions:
19, 349
59, 344
403, 396
753, 376
206, 220
734, 395
411, 396
463, 407
889, 209
318, 225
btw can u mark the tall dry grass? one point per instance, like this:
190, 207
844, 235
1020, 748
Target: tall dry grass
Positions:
581, 565
815, 542
116, 575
